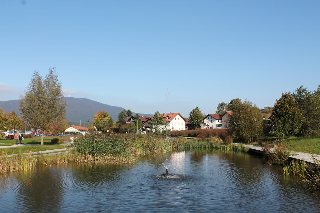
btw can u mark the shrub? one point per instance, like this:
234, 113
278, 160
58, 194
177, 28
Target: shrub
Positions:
228, 139
277, 154
201, 133
55, 140
28, 136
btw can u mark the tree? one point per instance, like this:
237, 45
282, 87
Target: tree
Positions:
246, 123
123, 115
157, 121
58, 126
129, 113
266, 110
14, 122
43, 102
309, 106
3, 120
286, 117
127, 128
196, 117
102, 121
222, 108
138, 122
233, 104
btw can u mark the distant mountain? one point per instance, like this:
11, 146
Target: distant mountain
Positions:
78, 109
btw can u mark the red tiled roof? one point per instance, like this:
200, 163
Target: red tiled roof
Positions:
168, 117
215, 116
229, 112
144, 119
80, 128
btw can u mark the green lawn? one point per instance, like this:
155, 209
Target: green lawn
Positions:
34, 142
26, 149
303, 144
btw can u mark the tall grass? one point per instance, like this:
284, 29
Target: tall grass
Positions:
113, 149
16, 162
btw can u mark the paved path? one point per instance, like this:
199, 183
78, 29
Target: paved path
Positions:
46, 152
307, 157
18, 145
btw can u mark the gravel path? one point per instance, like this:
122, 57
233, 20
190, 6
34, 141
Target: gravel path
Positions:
307, 157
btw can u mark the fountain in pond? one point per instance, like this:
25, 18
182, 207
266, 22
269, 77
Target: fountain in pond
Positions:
177, 162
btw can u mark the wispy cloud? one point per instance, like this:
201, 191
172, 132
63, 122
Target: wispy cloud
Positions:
4, 88
69, 92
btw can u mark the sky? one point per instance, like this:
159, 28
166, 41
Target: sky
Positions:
167, 56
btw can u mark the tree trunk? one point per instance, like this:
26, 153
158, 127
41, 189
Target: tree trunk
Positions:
42, 139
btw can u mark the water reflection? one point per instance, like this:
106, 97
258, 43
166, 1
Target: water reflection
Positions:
87, 176
217, 182
40, 191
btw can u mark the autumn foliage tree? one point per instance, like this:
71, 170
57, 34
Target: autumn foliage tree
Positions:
102, 121
58, 126
13, 121
3, 119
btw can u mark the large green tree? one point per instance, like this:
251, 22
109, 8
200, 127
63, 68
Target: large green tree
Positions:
43, 102
102, 121
222, 108
196, 117
286, 116
246, 123
309, 106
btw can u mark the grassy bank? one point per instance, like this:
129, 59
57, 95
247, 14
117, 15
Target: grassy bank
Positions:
303, 144
33, 144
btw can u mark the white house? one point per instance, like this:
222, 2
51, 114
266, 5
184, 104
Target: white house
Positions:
174, 122
212, 121
225, 119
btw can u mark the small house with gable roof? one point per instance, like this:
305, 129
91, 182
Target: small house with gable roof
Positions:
212, 121
174, 122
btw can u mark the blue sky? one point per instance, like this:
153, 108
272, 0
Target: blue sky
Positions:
130, 53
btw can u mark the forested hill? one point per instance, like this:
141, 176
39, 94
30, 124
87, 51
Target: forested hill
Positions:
77, 109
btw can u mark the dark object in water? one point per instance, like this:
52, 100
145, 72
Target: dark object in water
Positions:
169, 176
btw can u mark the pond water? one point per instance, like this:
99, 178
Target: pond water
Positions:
207, 182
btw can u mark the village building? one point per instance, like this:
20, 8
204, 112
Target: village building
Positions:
174, 122
225, 118
212, 121
73, 129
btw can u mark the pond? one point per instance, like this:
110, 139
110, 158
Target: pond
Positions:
207, 182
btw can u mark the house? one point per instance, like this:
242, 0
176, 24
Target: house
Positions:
144, 120
212, 121
189, 126
129, 119
77, 129
174, 122
225, 119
